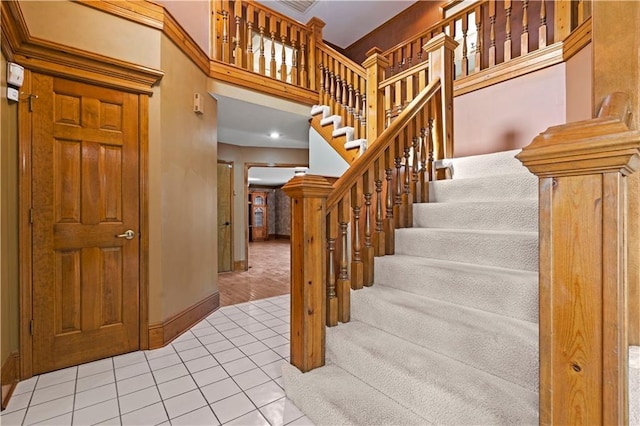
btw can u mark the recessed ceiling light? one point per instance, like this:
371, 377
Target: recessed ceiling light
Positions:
274, 135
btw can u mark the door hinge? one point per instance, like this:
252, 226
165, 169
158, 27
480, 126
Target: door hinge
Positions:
30, 215
31, 327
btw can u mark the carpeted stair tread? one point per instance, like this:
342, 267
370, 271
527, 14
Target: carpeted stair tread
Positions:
509, 292
521, 215
506, 249
516, 186
440, 389
498, 163
332, 396
502, 346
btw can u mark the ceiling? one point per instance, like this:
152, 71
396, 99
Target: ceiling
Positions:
246, 123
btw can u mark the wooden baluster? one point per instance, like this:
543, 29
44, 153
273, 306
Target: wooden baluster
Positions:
431, 169
407, 199
344, 100
409, 53
524, 38
350, 102
304, 73
464, 63
507, 30
272, 30
542, 31
343, 286
332, 298
332, 84
415, 144
250, 19
368, 250
294, 55
328, 69
321, 92
225, 34
389, 223
478, 61
357, 267
283, 59
388, 109
378, 235
424, 167
409, 90
262, 21
400, 59
237, 49
420, 44
398, 101
397, 202
492, 33
356, 107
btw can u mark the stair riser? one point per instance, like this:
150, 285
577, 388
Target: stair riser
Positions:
507, 187
487, 165
509, 292
436, 388
496, 348
516, 216
514, 251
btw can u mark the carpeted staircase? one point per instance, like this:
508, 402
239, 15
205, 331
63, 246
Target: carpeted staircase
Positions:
448, 333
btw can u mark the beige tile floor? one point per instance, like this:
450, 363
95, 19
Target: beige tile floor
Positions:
224, 370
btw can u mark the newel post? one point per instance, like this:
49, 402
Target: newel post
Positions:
308, 195
440, 50
315, 26
375, 64
583, 169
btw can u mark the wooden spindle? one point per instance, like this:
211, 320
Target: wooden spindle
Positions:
294, 55
356, 107
415, 144
328, 69
344, 100
389, 224
424, 172
507, 30
237, 49
332, 298
283, 58
478, 60
398, 101
464, 62
363, 111
397, 201
407, 200
388, 109
332, 82
542, 31
524, 37
409, 89
431, 169
357, 267
351, 76
250, 18
321, 92
368, 250
343, 286
225, 36
272, 30
378, 235
492, 33
262, 20
304, 73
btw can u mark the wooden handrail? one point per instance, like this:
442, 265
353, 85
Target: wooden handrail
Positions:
357, 169
355, 67
403, 75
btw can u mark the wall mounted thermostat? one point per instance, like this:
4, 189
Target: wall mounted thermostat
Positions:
12, 94
15, 75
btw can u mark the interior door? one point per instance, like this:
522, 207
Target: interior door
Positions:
85, 205
224, 217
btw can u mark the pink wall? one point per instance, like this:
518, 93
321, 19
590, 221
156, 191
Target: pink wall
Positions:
579, 86
509, 115
193, 16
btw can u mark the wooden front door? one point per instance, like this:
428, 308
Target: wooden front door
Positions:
224, 216
85, 197
259, 226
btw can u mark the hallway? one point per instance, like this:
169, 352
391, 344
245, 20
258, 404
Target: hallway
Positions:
268, 274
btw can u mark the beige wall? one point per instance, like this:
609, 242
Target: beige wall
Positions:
8, 220
579, 85
509, 115
193, 17
187, 181
240, 156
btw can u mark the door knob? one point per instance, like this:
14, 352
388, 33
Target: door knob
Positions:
128, 234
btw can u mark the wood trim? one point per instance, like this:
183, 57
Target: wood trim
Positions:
260, 83
24, 230
141, 12
578, 39
534, 61
69, 62
9, 376
232, 207
143, 164
164, 332
336, 143
185, 43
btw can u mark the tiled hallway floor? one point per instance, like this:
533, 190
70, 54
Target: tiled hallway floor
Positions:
225, 370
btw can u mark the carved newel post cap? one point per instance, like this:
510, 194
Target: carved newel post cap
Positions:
308, 186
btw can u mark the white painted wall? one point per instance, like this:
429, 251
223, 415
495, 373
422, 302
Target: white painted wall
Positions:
323, 159
509, 115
